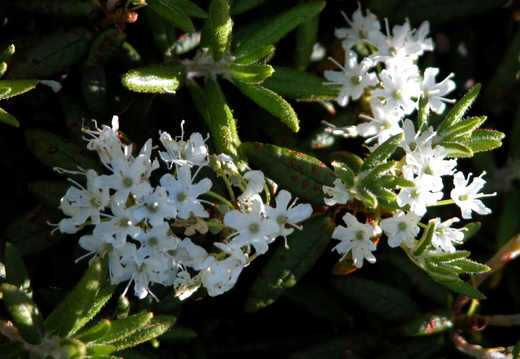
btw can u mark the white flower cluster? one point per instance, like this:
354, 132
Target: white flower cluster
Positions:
391, 76
134, 221
389, 72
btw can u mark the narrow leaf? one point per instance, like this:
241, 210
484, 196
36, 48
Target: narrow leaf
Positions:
278, 27
464, 288
16, 272
65, 319
272, 102
190, 8
306, 38
52, 55
220, 26
16, 87
163, 78
253, 74
300, 174
469, 266
298, 85
345, 173
7, 53
172, 12
49, 192
255, 55
350, 159
95, 332
222, 124
426, 239
381, 153
98, 351
55, 151
458, 110
241, 6
24, 313
157, 326
288, 264
383, 300
8, 119
104, 47
457, 149
119, 329
462, 128
64, 8
484, 140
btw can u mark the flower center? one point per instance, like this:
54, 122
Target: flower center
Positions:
181, 197
360, 235
254, 228
398, 94
402, 226
356, 80
127, 182
463, 197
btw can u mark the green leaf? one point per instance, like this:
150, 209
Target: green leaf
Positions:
49, 192
95, 332
70, 314
252, 74
122, 328
94, 88
469, 266
350, 159
441, 272
448, 257
484, 140
71, 348
278, 27
383, 300
220, 26
52, 54
426, 239
302, 175
7, 53
31, 233
16, 87
170, 10
241, 6
24, 313
458, 110
16, 272
271, 102
157, 326
55, 151
99, 350
306, 38
190, 8
8, 118
457, 149
288, 264
381, 153
463, 288
471, 229
178, 333
345, 174
255, 56
366, 196
298, 85
163, 78
463, 128
430, 323
104, 47
222, 124
377, 172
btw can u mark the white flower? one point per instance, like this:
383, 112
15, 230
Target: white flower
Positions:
401, 228
339, 193
353, 77
383, 124
185, 285
121, 224
106, 142
192, 152
360, 26
155, 207
356, 238
288, 214
435, 92
189, 254
183, 193
418, 196
221, 275
466, 196
444, 236
255, 185
252, 228
82, 204
399, 90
